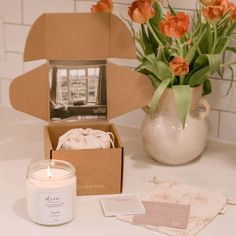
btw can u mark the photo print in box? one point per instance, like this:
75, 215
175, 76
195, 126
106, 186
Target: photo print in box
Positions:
78, 90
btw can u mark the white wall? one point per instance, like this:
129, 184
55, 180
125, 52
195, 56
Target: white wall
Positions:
16, 17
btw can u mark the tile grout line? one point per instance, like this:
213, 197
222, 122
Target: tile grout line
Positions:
16, 24
3, 78
14, 52
224, 79
215, 109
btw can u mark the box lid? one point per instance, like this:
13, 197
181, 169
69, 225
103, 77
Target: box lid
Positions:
80, 36
84, 36
126, 90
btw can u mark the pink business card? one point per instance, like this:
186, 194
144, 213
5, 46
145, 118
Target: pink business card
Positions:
164, 214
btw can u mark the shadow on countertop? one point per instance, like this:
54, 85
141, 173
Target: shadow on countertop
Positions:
20, 208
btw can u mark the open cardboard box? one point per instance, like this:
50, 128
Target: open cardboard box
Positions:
75, 37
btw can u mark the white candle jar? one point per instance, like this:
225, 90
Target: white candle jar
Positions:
51, 192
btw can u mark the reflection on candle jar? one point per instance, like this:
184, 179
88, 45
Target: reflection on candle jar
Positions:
51, 192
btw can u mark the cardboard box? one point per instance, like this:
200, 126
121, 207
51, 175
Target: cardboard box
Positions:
99, 171
81, 38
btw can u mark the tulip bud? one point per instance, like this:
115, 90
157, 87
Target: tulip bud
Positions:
175, 26
208, 2
179, 66
233, 14
102, 6
213, 13
141, 11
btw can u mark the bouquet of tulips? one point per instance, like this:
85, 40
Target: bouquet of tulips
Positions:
175, 56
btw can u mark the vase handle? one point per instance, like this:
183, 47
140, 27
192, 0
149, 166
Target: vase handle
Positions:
204, 108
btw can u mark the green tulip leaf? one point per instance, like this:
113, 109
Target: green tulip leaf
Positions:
232, 49
232, 79
207, 87
158, 93
211, 60
146, 42
223, 40
163, 70
155, 81
194, 48
183, 98
214, 62
172, 11
155, 20
199, 76
147, 68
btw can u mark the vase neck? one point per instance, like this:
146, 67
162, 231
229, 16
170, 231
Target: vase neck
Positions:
167, 102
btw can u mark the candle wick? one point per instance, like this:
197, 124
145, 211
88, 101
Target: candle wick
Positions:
49, 172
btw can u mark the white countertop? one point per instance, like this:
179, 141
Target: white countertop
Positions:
21, 140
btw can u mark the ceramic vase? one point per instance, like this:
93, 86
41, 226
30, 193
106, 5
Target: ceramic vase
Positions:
164, 138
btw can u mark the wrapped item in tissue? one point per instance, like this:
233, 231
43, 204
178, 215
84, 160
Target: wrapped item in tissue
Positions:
76, 139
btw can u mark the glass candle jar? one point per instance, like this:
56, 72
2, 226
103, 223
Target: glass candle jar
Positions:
51, 192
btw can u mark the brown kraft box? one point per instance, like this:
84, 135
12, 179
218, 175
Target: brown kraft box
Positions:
75, 37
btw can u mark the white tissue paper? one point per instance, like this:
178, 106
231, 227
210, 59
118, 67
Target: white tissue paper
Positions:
76, 139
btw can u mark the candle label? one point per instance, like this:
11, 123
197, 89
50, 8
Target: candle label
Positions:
55, 207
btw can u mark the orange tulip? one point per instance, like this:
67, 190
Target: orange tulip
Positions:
233, 14
208, 2
175, 26
225, 4
179, 66
102, 6
213, 13
141, 11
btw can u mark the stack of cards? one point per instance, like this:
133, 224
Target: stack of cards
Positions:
122, 205
147, 213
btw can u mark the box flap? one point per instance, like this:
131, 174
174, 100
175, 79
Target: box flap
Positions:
29, 93
127, 90
79, 36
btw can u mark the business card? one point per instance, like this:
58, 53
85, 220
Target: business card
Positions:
122, 205
164, 214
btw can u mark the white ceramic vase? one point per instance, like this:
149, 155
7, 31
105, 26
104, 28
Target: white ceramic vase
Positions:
163, 136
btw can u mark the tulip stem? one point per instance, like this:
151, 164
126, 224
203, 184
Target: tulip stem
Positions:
181, 47
215, 38
160, 5
181, 53
181, 79
154, 34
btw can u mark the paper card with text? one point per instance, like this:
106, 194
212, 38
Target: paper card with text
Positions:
164, 214
122, 205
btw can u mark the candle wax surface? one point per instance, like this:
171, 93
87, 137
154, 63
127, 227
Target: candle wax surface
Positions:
50, 173
53, 178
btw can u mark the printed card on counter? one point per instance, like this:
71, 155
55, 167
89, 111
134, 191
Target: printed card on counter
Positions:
164, 214
122, 205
